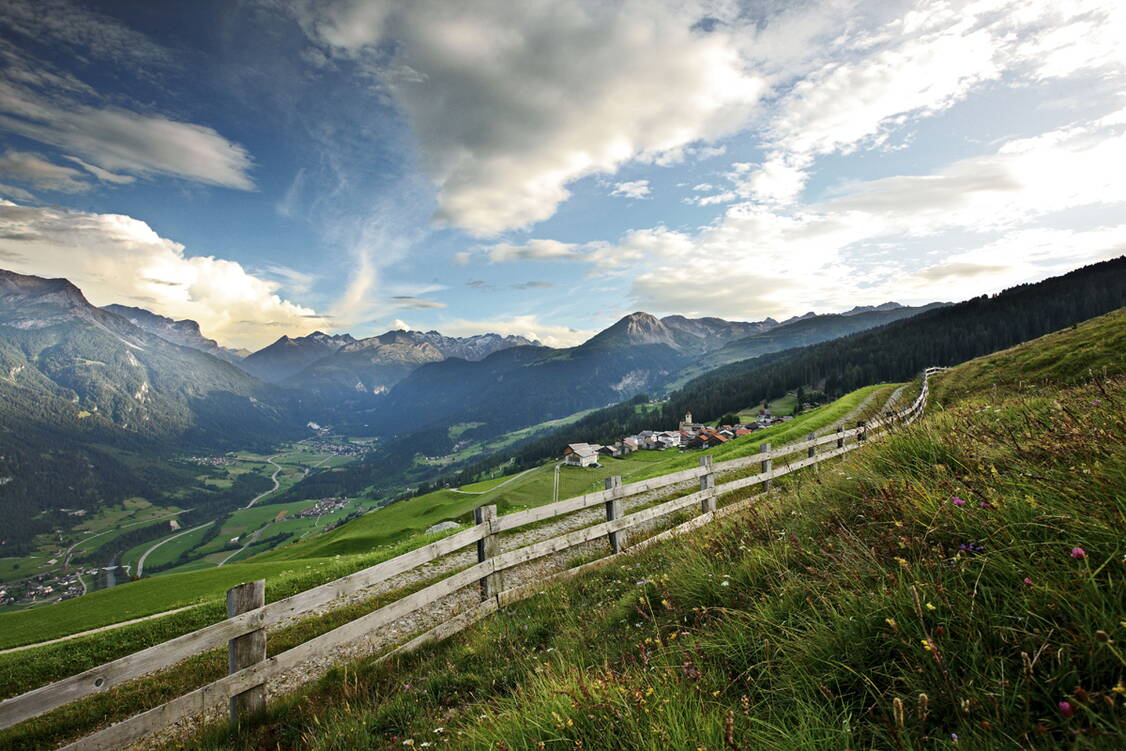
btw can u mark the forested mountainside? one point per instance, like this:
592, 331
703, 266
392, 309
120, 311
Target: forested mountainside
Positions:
638, 354
88, 402
893, 352
942, 336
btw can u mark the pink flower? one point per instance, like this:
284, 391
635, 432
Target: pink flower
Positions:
1028, 581
1078, 553
958, 501
1065, 709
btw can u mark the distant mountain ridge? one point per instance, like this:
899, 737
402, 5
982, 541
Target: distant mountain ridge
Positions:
373, 365
184, 332
288, 356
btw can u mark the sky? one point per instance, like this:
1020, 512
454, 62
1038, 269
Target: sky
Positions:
270, 167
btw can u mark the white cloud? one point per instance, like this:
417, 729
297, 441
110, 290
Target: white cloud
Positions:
871, 84
534, 250
632, 189
118, 259
512, 102
55, 108
117, 139
103, 175
761, 260
35, 170
19, 194
528, 326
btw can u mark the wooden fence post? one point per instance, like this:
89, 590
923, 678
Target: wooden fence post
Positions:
766, 465
487, 548
840, 438
707, 484
812, 450
244, 651
862, 435
615, 509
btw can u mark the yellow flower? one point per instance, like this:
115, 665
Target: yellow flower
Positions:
891, 622
931, 607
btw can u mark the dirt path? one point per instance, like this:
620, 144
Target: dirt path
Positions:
849, 416
98, 630
495, 487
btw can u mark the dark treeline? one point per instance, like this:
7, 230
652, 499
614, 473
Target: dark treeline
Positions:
895, 352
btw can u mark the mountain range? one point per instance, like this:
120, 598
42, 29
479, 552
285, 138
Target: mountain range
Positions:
94, 401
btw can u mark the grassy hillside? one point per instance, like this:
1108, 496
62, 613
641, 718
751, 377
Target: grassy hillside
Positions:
403, 519
958, 585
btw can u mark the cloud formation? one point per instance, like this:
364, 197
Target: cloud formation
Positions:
54, 108
632, 189
491, 87
759, 260
118, 259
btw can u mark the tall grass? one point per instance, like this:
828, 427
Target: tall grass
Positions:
959, 585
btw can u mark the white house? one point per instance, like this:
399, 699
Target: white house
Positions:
581, 454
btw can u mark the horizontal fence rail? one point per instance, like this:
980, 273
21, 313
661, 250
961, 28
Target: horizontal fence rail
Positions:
250, 679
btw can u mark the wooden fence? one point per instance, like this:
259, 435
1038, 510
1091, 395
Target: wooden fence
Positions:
244, 631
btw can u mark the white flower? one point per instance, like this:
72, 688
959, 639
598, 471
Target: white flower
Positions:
724, 583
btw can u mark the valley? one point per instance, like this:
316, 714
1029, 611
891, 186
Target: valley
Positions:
98, 552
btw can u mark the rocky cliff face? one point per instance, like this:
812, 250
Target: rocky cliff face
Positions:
184, 332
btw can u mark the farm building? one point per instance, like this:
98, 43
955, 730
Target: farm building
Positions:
581, 454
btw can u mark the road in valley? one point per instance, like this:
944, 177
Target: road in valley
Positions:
273, 477
141, 560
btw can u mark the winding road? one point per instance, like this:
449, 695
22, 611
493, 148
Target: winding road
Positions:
141, 560
273, 477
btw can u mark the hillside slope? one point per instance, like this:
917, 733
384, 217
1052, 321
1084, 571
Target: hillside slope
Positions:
955, 585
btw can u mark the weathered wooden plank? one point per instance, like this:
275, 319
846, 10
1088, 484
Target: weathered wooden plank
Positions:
615, 509
707, 485
39, 701
216, 693
487, 548
246, 650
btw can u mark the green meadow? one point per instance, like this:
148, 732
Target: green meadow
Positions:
955, 586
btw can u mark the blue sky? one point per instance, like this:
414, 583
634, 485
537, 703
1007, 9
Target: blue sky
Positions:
271, 167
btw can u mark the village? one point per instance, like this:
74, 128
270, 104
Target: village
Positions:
688, 435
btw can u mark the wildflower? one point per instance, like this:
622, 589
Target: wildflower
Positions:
958, 501
725, 583
954, 737
1078, 553
927, 644
985, 504
931, 607
1066, 709
891, 622
1028, 581
1120, 689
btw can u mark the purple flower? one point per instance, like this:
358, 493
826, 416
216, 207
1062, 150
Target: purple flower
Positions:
1097, 401
958, 501
1078, 553
1028, 581
1065, 709
985, 504
954, 737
